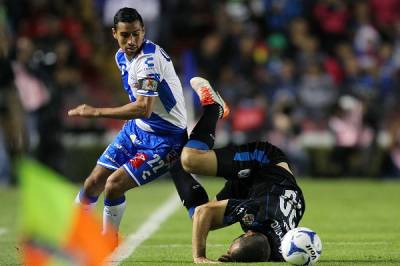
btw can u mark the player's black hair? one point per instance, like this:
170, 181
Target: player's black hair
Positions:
127, 14
251, 248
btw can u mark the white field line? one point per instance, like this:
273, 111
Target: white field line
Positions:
3, 231
150, 226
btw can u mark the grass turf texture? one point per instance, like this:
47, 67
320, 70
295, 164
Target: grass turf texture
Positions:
357, 220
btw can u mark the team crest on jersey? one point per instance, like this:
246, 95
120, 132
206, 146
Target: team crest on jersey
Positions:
149, 85
135, 85
248, 219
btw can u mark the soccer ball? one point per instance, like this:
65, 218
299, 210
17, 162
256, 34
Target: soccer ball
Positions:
301, 246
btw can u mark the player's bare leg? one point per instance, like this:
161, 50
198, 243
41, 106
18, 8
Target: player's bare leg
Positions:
93, 186
114, 199
95, 182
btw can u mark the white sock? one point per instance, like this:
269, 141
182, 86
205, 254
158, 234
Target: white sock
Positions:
112, 216
86, 207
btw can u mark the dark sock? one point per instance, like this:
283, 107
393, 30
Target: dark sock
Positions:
86, 199
204, 131
190, 191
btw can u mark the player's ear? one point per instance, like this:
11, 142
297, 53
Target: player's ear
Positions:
114, 32
234, 245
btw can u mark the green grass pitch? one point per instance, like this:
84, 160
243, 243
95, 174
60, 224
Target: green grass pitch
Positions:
357, 220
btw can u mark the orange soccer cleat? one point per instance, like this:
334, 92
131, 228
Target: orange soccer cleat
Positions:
208, 95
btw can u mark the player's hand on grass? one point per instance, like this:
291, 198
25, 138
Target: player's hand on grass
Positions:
225, 258
199, 260
84, 110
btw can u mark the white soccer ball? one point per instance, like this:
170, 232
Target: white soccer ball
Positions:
301, 246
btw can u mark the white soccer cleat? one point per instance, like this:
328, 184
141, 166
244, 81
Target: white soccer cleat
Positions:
208, 95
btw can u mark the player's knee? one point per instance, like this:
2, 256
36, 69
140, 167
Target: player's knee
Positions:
197, 212
93, 186
200, 211
185, 160
190, 162
94, 183
114, 188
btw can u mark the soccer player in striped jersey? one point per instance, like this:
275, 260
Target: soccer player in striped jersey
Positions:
151, 140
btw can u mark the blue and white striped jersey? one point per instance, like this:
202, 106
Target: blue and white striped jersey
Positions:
151, 73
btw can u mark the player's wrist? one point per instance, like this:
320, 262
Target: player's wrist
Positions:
97, 112
199, 254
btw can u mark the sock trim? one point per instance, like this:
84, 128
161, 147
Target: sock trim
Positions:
114, 202
83, 198
197, 144
191, 212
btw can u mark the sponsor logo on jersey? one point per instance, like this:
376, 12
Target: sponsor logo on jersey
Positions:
134, 139
139, 159
277, 229
244, 173
110, 158
149, 69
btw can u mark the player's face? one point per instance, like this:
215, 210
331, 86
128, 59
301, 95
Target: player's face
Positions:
130, 36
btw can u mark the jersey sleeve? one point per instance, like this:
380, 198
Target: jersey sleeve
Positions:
148, 75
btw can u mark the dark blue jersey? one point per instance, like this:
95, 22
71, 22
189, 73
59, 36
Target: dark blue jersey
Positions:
262, 196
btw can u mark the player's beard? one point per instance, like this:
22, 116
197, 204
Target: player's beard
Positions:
131, 51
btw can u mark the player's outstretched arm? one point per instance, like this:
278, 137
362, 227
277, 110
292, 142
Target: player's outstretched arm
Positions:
141, 108
207, 217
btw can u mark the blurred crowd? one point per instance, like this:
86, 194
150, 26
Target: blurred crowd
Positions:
318, 78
